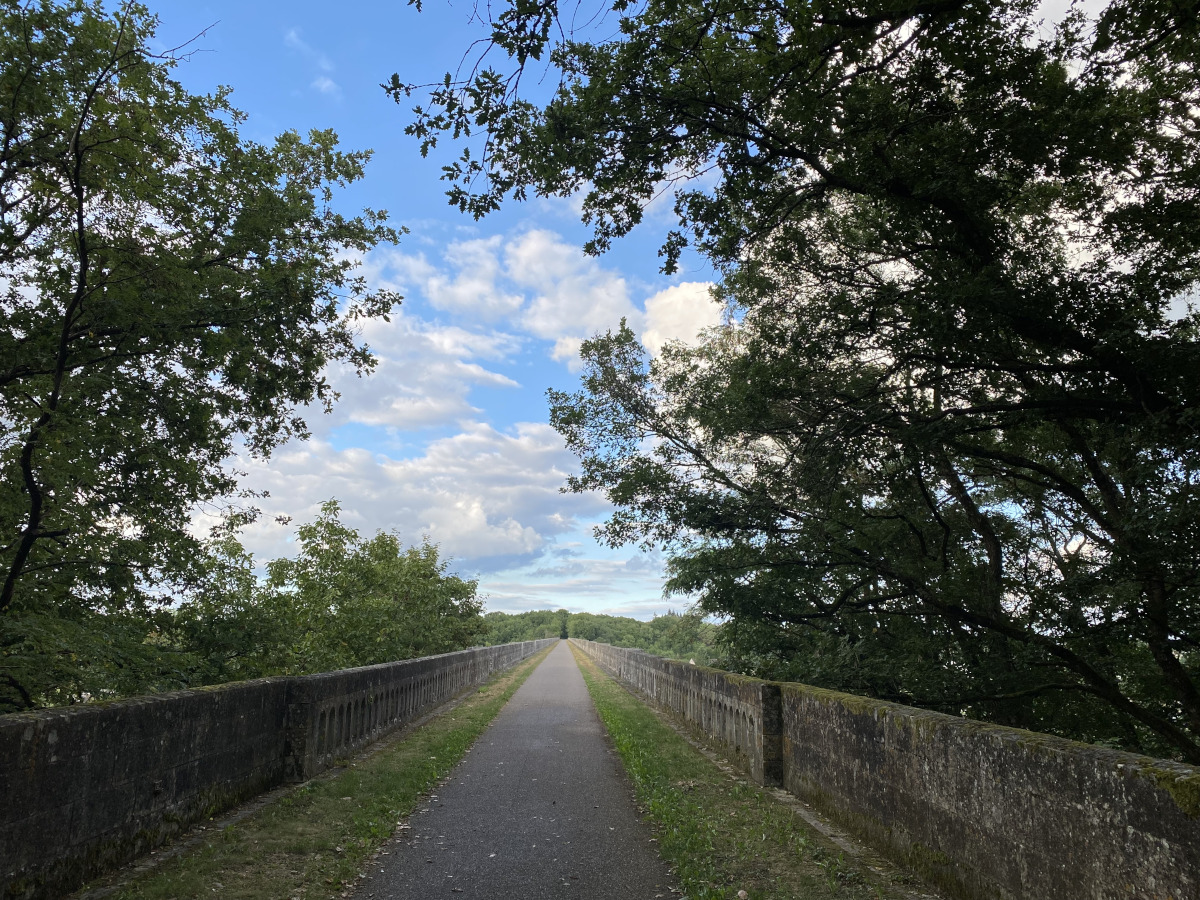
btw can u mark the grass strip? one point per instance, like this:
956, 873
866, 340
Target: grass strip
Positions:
314, 841
723, 836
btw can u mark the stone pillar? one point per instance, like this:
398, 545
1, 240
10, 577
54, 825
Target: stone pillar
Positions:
772, 735
299, 763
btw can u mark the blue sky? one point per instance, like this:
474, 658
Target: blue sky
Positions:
448, 438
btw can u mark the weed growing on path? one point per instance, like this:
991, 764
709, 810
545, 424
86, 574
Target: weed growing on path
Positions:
312, 843
724, 837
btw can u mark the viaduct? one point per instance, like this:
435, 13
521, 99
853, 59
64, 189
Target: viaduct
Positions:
978, 810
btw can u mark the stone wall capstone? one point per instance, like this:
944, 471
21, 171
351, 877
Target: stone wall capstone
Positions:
86, 788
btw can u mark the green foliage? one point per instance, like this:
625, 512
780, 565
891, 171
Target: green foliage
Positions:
344, 601
946, 452
353, 602
169, 292
673, 635
507, 628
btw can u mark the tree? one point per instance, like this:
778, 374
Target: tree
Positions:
536, 625
673, 635
169, 292
348, 602
343, 601
506, 628
947, 451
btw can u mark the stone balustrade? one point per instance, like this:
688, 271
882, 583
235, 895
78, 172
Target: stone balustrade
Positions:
86, 788
979, 810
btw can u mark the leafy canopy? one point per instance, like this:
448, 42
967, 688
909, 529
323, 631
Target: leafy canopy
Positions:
169, 293
677, 636
946, 452
343, 601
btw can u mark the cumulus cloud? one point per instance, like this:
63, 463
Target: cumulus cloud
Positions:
537, 284
473, 289
423, 378
466, 285
679, 313
574, 297
488, 498
533, 282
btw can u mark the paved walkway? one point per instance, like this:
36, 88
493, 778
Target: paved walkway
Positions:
540, 807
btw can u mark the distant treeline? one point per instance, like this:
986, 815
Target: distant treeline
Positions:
674, 635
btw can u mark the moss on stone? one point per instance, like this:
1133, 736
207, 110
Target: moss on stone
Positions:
926, 859
852, 702
1184, 787
932, 866
938, 869
740, 680
927, 723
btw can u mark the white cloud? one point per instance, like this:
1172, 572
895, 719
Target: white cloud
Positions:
402, 272
322, 84
491, 345
292, 39
467, 286
679, 313
488, 498
424, 375
1053, 11
426, 370
473, 289
585, 583
535, 282
574, 296
325, 85
539, 285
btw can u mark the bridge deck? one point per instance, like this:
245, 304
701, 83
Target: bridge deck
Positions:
539, 808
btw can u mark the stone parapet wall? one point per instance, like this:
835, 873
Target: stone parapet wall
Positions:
979, 810
86, 788
987, 811
740, 714
335, 713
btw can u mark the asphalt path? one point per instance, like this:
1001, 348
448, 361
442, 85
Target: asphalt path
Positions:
540, 807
